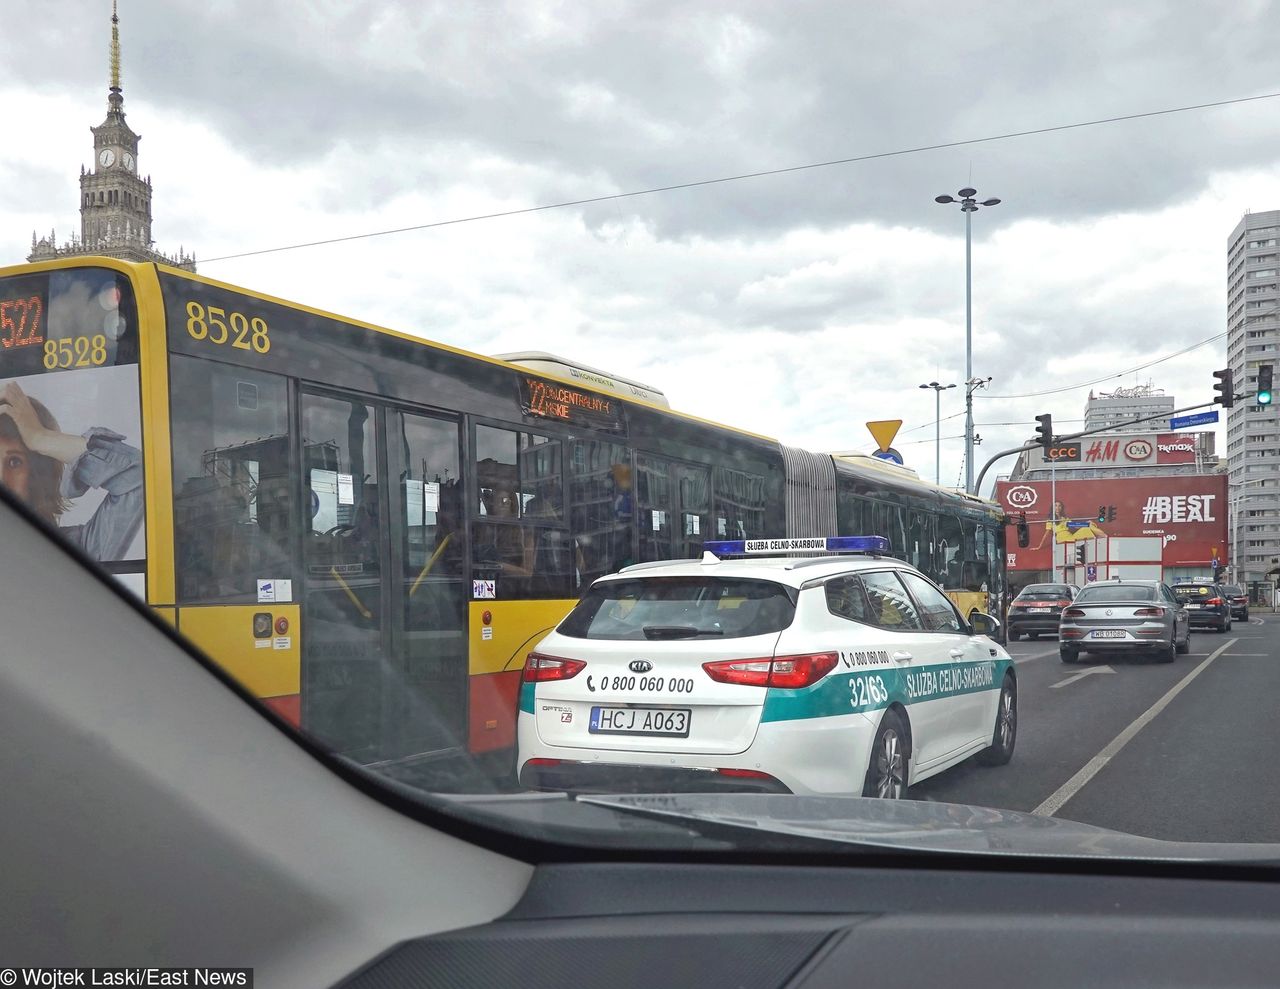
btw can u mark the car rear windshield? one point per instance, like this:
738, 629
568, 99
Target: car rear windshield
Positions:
680, 608
1185, 592
1045, 591
1116, 592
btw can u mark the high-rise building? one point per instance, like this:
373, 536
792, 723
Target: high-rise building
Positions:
115, 200
1253, 432
1120, 407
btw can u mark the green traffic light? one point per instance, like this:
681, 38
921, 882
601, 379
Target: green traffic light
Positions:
1264, 398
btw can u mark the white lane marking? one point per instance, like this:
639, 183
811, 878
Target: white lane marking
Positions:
1082, 674
1091, 769
1034, 656
1248, 654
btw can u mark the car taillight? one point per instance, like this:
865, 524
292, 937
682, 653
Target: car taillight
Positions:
539, 668
1073, 613
1062, 604
744, 774
784, 671
1149, 613
1214, 601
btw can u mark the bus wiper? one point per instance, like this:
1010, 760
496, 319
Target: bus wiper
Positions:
678, 631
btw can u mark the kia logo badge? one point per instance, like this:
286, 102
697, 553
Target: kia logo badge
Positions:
640, 666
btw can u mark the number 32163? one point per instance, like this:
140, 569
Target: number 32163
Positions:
220, 327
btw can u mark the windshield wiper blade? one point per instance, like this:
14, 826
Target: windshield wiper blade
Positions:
677, 631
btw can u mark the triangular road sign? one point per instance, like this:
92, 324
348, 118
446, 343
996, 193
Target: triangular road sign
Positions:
883, 431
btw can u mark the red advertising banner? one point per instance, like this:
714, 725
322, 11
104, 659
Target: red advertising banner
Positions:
1176, 448
1176, 520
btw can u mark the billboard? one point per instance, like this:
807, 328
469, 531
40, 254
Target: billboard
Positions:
1124, 450
1174, 521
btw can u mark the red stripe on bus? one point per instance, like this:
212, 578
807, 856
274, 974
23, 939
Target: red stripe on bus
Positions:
494, 697
288, 706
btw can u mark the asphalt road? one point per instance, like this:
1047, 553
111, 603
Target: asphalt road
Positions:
1188, 751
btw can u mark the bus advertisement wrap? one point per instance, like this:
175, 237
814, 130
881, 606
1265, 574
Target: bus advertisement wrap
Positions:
70, 419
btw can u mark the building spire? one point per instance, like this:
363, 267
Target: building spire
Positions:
115, 100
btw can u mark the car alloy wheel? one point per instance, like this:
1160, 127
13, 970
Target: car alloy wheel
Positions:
1005, 734
887, 775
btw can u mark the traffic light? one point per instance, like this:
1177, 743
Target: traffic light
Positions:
1264, 385
1080, 553
1111, 513
1044, 431
1223, 392
1024, 533
1102, 514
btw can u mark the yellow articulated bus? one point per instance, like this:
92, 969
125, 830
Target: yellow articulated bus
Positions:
371, 531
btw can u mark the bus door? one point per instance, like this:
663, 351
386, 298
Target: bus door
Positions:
383, 654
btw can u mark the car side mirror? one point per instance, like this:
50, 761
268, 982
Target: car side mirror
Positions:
983, 624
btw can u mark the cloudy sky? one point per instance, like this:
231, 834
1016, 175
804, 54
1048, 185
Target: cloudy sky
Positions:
799, 305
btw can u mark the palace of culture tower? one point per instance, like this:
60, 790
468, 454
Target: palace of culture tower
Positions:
115, 202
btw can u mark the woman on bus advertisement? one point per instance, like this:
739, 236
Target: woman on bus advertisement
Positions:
51, 470
1068, 530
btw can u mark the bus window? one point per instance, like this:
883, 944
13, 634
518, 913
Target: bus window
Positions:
853, 511
739, 505
977, 563
947, 550
520, 541
601, 506
496, 458
233, 512
656, 500
693, 487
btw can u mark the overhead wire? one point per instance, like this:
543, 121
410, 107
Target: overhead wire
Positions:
1114, 375
1080, 384
764, 173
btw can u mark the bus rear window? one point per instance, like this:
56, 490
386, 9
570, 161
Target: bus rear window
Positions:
70, 410
680, 608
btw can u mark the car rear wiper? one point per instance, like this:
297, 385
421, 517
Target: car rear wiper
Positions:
678, 631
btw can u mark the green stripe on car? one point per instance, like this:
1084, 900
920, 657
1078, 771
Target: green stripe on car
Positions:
864, 691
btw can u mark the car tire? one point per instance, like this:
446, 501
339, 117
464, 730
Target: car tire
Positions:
1013, 636
1184, 646
1033, 636
1067, 654
887, 768
1005, 734
1168, 655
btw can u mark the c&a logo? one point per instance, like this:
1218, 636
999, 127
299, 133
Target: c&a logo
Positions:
1022, 496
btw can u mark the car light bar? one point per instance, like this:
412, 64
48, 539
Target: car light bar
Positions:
817, 544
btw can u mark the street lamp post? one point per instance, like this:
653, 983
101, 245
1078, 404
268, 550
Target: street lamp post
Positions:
937, 428
969, 205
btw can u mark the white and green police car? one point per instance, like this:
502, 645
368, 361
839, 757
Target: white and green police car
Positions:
830, 674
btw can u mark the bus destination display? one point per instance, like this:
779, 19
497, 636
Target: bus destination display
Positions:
551, 400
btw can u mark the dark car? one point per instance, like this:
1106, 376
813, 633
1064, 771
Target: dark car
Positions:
1238, 599
1206, 604
1037, 610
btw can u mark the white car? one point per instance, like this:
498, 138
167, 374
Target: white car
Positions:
835, 674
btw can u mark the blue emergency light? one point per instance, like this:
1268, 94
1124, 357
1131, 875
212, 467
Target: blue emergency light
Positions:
817, 544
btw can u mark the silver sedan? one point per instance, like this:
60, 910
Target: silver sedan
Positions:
1125, 616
